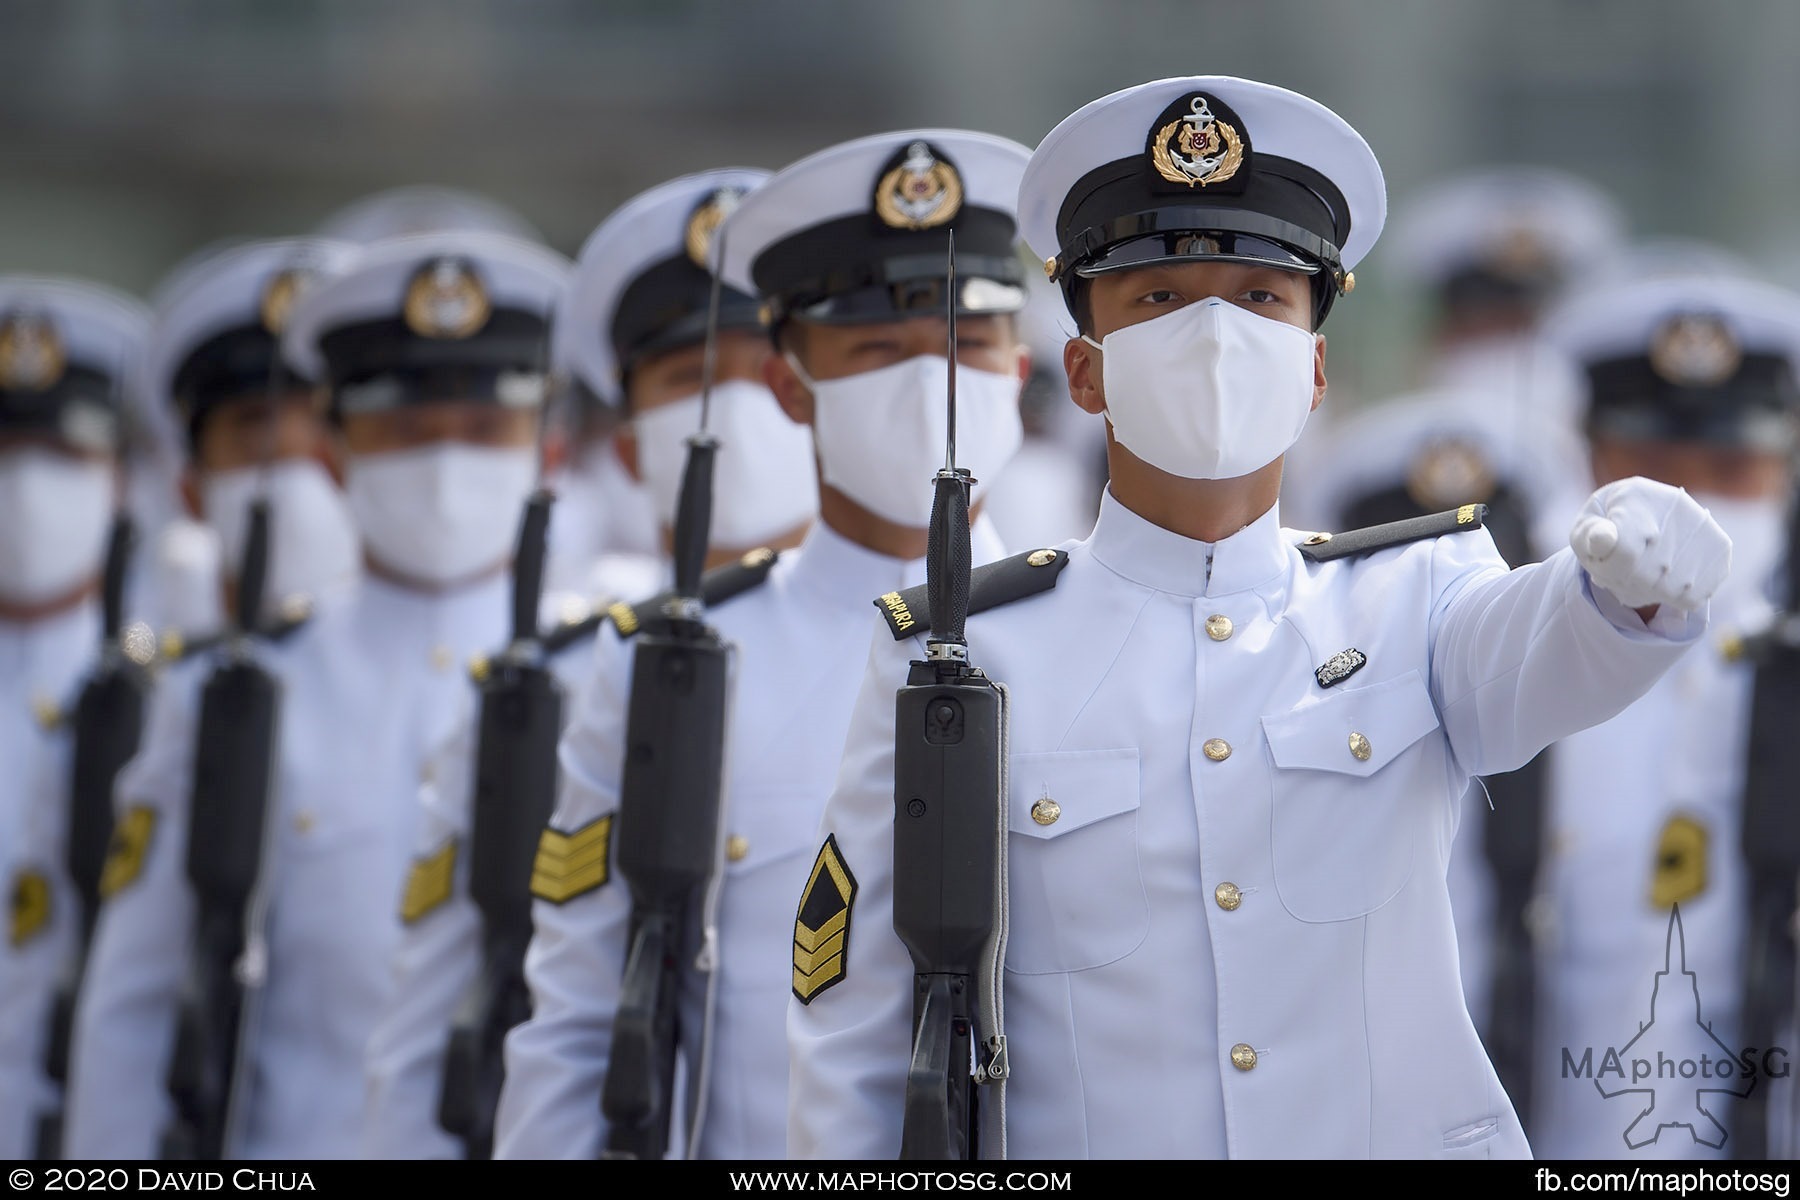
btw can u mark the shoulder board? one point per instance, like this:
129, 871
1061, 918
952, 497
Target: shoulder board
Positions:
716, 587
1324, 547
293, 613
908, 613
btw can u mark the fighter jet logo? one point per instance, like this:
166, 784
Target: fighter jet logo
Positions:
1679, 1070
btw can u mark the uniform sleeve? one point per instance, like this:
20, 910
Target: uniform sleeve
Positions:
556, 1061
850, 1040
1522, 658
118, 1106
437, 962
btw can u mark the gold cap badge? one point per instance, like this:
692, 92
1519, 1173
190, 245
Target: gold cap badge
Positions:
1197, 149
445, 300
922, 191
703, 225
32, 358
279, 296
1692, 350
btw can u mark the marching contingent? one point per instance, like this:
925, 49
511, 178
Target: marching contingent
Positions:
903, 656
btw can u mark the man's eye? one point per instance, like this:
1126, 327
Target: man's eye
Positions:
1262, 296
1160, 296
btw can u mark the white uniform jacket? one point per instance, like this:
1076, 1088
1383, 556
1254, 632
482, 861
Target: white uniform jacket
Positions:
1235, 937
42, 664
800, 640
370, 689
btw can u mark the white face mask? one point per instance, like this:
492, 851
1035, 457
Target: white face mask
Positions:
1758, 533
443, 513
1209, 391
880, 434
58, 512
763, 479
312, 537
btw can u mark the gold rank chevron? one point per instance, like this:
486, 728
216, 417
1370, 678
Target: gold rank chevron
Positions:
429, 882
29, 906
822, 927
571, 864
125, 855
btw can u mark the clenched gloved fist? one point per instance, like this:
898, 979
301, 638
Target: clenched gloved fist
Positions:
1651, 544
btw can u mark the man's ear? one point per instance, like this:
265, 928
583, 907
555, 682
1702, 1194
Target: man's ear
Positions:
1082, 364
1318, 370
795, 398
189, 487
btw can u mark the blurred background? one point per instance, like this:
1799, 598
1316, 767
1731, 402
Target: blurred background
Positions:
132, 132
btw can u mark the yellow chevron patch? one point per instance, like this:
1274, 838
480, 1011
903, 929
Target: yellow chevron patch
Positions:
572, 864
1680, 872
822, 927
125, 854
429, 883
29, 905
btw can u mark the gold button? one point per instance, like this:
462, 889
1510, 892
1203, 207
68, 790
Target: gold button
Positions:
1229, 896
1243, 1057
441, 658
1317, 539
46, 712
1045, 811
1041, 558
1218, 627
303, 821
1359, 746
1217, 749
736, 847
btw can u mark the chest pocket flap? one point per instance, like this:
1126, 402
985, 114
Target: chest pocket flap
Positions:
1355, 732
1076, 890
1353, 787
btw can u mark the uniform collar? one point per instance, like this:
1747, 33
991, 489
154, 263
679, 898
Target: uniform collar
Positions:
1142, 552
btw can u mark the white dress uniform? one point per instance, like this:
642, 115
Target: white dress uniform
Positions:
796, 637
42, 664
371, 688
67, 351
1264, 942
1646, 811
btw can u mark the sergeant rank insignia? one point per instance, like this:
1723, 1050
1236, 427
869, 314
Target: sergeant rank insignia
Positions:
1196, 148
920, 191
30, 907
446, 301
125, 853
31, 354
572, 864
703, 226
1680, 872
822, 928
428, 883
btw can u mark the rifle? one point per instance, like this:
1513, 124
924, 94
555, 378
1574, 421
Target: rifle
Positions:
109, 722
669, 798
1771, 848
515, 791
234, 765
950, 831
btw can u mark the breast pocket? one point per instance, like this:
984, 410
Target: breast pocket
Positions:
1348, 797
1076, 898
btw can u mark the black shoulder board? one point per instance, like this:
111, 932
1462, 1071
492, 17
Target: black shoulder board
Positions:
716, 587
293, 612
1323, 547
996, 583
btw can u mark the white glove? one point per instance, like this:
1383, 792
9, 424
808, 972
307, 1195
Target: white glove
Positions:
1649, 543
